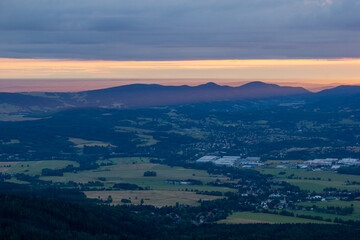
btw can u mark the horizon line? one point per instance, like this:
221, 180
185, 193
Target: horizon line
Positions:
166, 85
313, 74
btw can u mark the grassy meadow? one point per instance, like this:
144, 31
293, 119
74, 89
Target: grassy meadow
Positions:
33, 168
127, 170
251, 217
131, 170
156, 198
324, 179
80, 143
354, 216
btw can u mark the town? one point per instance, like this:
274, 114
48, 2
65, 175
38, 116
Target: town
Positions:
252, 162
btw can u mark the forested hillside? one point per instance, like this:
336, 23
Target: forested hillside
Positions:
23, 217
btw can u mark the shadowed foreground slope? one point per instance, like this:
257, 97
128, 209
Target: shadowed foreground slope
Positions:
23, 217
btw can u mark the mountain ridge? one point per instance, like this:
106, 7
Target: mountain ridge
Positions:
341, 90
143, 95
153, 95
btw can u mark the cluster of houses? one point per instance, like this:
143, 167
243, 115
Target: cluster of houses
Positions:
231, 161
332, 163
250, 162
326, 163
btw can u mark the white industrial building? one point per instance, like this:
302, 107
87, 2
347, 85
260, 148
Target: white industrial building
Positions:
349, 161
230, 161
207, 158
332, 163
321, 162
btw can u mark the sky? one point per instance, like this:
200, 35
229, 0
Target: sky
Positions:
309, 42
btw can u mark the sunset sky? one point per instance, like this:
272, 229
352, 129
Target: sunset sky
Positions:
75, 45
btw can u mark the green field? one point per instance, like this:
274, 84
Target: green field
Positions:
336, 180
354, 216
15, 117
131, 170
128, 170
132, 129
80, 143
127, 160
12, 141
147, 140
152, 197
251, 217
34, 167
15, 180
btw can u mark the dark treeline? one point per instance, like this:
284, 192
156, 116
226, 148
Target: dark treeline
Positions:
349, 170
24, 217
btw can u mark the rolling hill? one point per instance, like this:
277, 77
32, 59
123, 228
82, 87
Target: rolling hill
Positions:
142, 95
154, 95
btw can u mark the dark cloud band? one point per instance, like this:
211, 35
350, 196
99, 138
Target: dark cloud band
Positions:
179, 29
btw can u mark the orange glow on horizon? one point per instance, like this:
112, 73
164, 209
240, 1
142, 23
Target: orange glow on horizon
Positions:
289, 71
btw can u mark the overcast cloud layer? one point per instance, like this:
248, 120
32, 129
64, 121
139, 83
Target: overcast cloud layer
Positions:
179, 29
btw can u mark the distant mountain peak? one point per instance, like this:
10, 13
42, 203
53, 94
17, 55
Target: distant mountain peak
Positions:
257, 84
341, 90
210, 84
